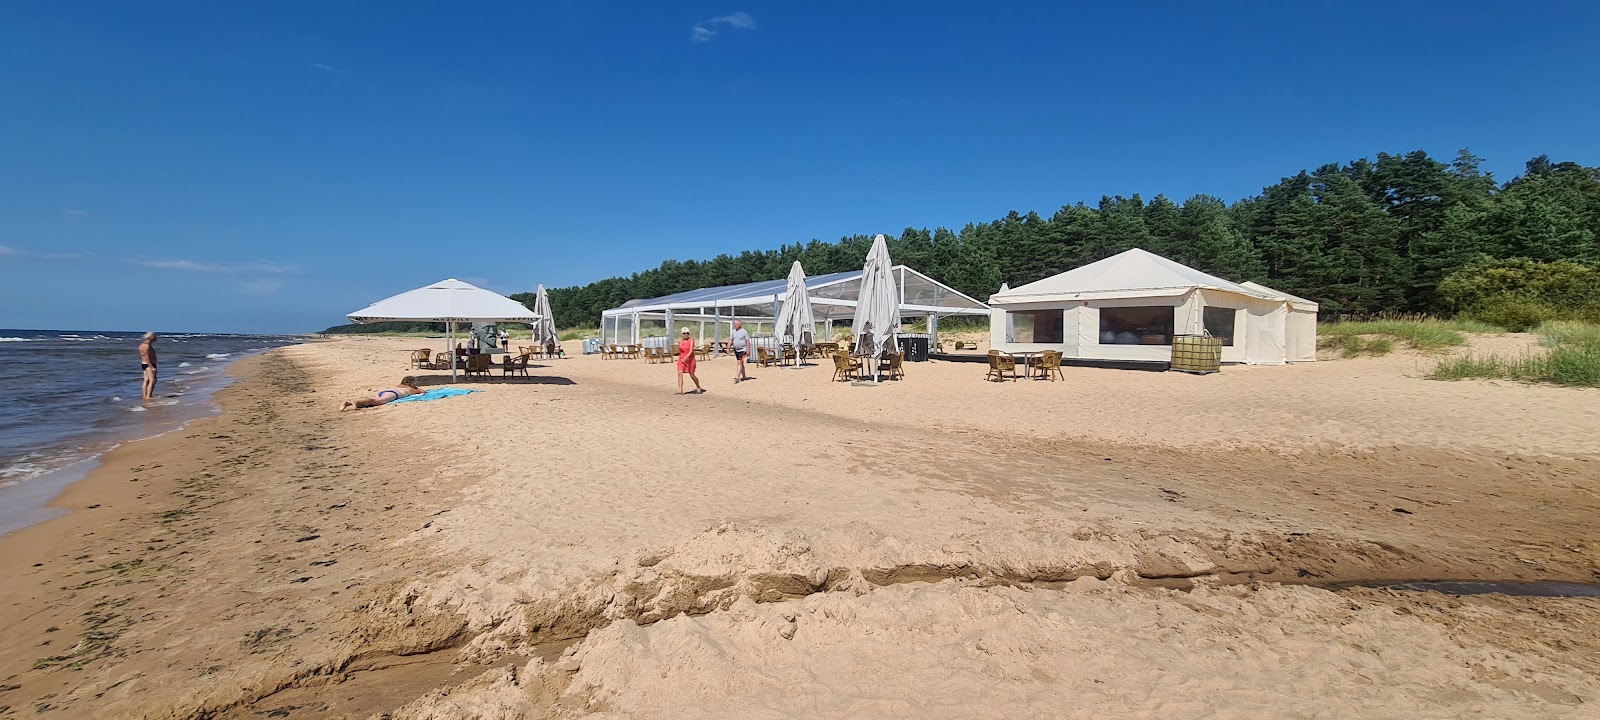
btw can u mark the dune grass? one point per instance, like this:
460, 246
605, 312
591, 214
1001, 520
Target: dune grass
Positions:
1377, 337
1573, 359
578, 333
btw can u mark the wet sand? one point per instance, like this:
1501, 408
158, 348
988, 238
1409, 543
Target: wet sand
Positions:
1120, 544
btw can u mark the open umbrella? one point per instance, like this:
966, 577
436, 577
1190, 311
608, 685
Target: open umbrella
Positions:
794, 322
544, 329
877, 320
447, 301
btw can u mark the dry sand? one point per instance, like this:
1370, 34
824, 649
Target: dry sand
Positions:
586, 542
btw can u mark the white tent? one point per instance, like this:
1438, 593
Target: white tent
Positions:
795, 323
1300, 324
447, 301
544, 329
1129, 306
877, 319
833, 299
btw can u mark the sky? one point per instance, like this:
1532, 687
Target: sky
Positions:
269, 167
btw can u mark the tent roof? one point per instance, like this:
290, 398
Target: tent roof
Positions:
840, 290
1134, 273
1299, 303
445, 301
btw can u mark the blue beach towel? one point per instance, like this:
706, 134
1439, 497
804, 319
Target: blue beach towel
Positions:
435, 394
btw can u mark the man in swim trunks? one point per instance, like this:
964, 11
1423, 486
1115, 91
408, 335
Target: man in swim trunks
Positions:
147, 363
740, 340
407, 388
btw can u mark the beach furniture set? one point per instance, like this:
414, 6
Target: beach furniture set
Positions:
1042, 365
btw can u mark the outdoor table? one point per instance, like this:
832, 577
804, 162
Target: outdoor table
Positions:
1027, 358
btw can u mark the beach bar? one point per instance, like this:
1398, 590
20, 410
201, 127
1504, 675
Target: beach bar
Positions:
1128, 307
710, 312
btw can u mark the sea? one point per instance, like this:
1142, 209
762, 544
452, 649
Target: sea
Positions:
71, 395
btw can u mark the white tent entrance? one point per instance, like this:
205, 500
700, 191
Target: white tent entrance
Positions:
450, 302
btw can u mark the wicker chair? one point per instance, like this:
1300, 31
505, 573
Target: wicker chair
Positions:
844, 367
420, 358
896, 370
441, 361
1001, 364
704, 352
765, 357
511, 366
1048, 367
477, 365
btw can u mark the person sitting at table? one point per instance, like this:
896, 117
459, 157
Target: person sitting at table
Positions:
406, 388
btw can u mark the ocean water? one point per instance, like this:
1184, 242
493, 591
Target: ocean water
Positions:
72, 395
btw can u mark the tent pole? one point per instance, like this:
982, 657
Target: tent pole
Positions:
450, 335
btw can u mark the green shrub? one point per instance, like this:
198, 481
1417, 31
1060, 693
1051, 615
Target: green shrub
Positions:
1513, 314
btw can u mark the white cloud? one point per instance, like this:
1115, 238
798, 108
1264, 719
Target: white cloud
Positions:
257, 266
7, 251
705, 30
70, 211
188, 265
320, 66
264, 286
267, 266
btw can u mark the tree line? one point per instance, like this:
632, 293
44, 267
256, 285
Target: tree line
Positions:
1362, 237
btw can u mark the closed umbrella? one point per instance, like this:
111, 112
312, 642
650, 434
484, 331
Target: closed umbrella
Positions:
447, 301
877, 320
794, 323
544, 329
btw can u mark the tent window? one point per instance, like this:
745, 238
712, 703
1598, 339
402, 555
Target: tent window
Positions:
1037, 326
1219, 322
1136, 325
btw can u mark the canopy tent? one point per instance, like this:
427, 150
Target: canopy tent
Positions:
1300, 324
833, 299
544, 329
795, 323
447, 301
877, 319
1129, 306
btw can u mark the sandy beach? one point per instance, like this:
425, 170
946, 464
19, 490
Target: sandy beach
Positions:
585, 542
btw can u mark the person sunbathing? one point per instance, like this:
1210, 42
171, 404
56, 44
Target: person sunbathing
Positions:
406, 388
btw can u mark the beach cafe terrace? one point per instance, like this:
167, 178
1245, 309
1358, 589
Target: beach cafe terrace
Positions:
709, 312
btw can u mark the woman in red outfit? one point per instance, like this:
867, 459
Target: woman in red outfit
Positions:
686, 362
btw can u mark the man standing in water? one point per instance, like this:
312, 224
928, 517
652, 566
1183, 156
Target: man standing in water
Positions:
740, 340
147, 363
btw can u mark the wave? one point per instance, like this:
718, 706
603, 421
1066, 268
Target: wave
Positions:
17, 339
136, 408
19, 469
183, 364
218, 356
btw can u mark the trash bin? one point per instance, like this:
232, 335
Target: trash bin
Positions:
914, 347
591, 346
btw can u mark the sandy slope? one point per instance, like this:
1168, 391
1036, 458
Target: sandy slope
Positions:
936, 542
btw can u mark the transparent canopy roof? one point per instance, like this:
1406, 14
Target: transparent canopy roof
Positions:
833, 296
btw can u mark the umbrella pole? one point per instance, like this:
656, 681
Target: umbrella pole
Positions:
450, 336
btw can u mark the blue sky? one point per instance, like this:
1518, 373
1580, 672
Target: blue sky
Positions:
271, 166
